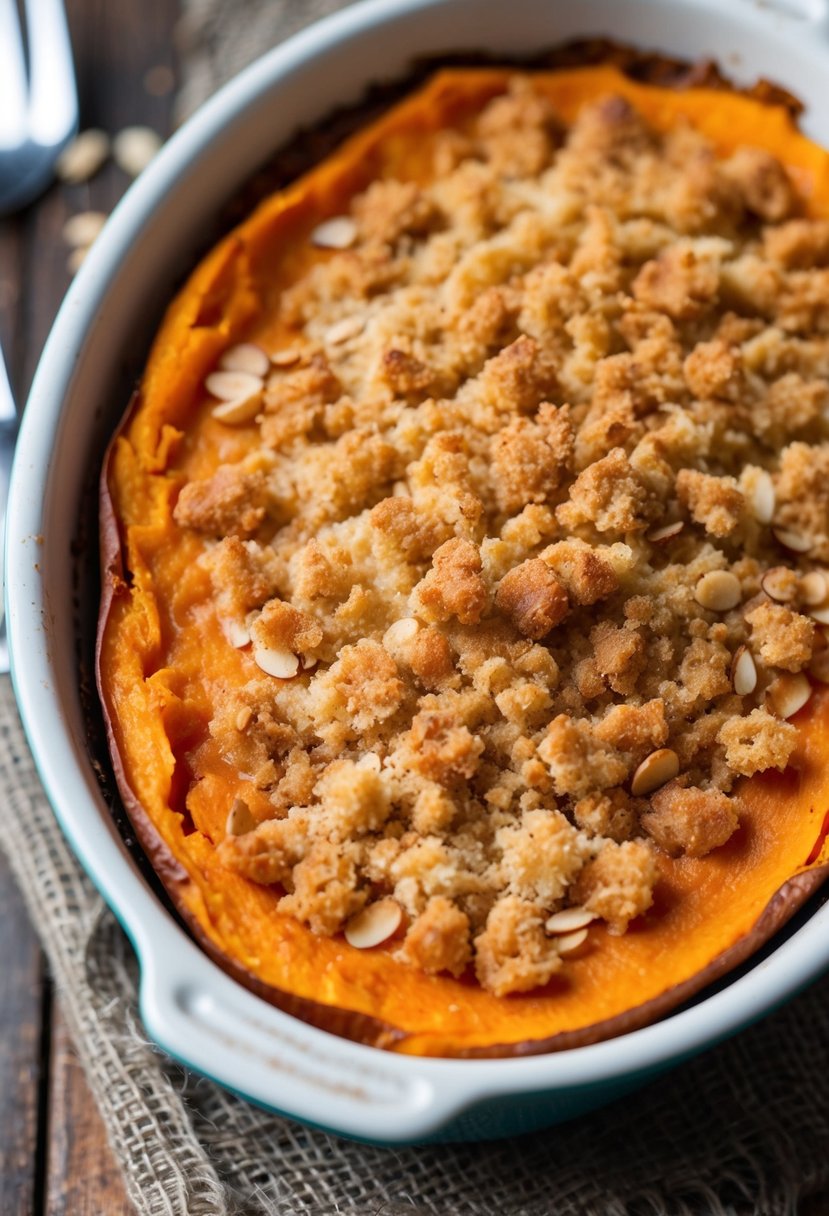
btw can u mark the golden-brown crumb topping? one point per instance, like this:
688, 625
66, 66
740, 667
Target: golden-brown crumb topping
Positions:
521, 553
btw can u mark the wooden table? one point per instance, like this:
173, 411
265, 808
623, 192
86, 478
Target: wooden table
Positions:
54, 1157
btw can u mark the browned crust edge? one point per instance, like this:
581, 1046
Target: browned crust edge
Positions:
650, 68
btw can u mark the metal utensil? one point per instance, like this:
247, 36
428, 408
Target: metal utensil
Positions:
38, 104
38, 117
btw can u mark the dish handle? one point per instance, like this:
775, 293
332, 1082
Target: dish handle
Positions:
215, 1027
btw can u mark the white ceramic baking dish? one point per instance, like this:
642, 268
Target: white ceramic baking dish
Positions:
189, 1006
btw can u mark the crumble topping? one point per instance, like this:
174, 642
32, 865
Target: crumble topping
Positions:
527, 553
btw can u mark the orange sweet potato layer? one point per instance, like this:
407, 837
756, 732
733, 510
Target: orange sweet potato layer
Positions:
159, 646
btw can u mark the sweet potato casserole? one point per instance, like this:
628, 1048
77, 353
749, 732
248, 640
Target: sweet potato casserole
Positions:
473, 527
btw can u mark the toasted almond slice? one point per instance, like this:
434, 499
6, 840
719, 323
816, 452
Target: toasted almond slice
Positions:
656, 769
718, 591
286, 358
340, 232
743, 672
239, 819
818, 666
667, 532
80, 230
82, 159
400, 632
795, 541
788, 693
231, 386
134, 148
375, 924
569, 920
283, 664
236, 413
341, 331
571, 941
780, 584
236, 633
307, 661
761, 498
242, 721
246, 357
814, 588
820, 614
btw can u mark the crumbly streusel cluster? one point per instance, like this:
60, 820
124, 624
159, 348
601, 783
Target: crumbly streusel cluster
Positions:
529, 558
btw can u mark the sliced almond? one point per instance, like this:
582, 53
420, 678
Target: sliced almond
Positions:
81, 230
286, 358
780, 584
233, 386
655, 770
569, 920
761, 497
242, 721
375, 924
788, 693
400, 632
667, 532
718, 591
340, 232
134, 148
570, 942
82, 159
814, 588
246, 357
743, 672
820, 614
795, 541
236, 633
341, 331
236, 413
283, 664
240, 821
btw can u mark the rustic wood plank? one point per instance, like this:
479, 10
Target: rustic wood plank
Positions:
11, 291
21, 1075
116, 48
82, 1178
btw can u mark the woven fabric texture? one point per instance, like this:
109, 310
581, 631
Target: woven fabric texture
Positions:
742, 1131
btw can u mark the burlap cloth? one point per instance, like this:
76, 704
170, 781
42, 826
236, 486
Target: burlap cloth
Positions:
744, 1129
